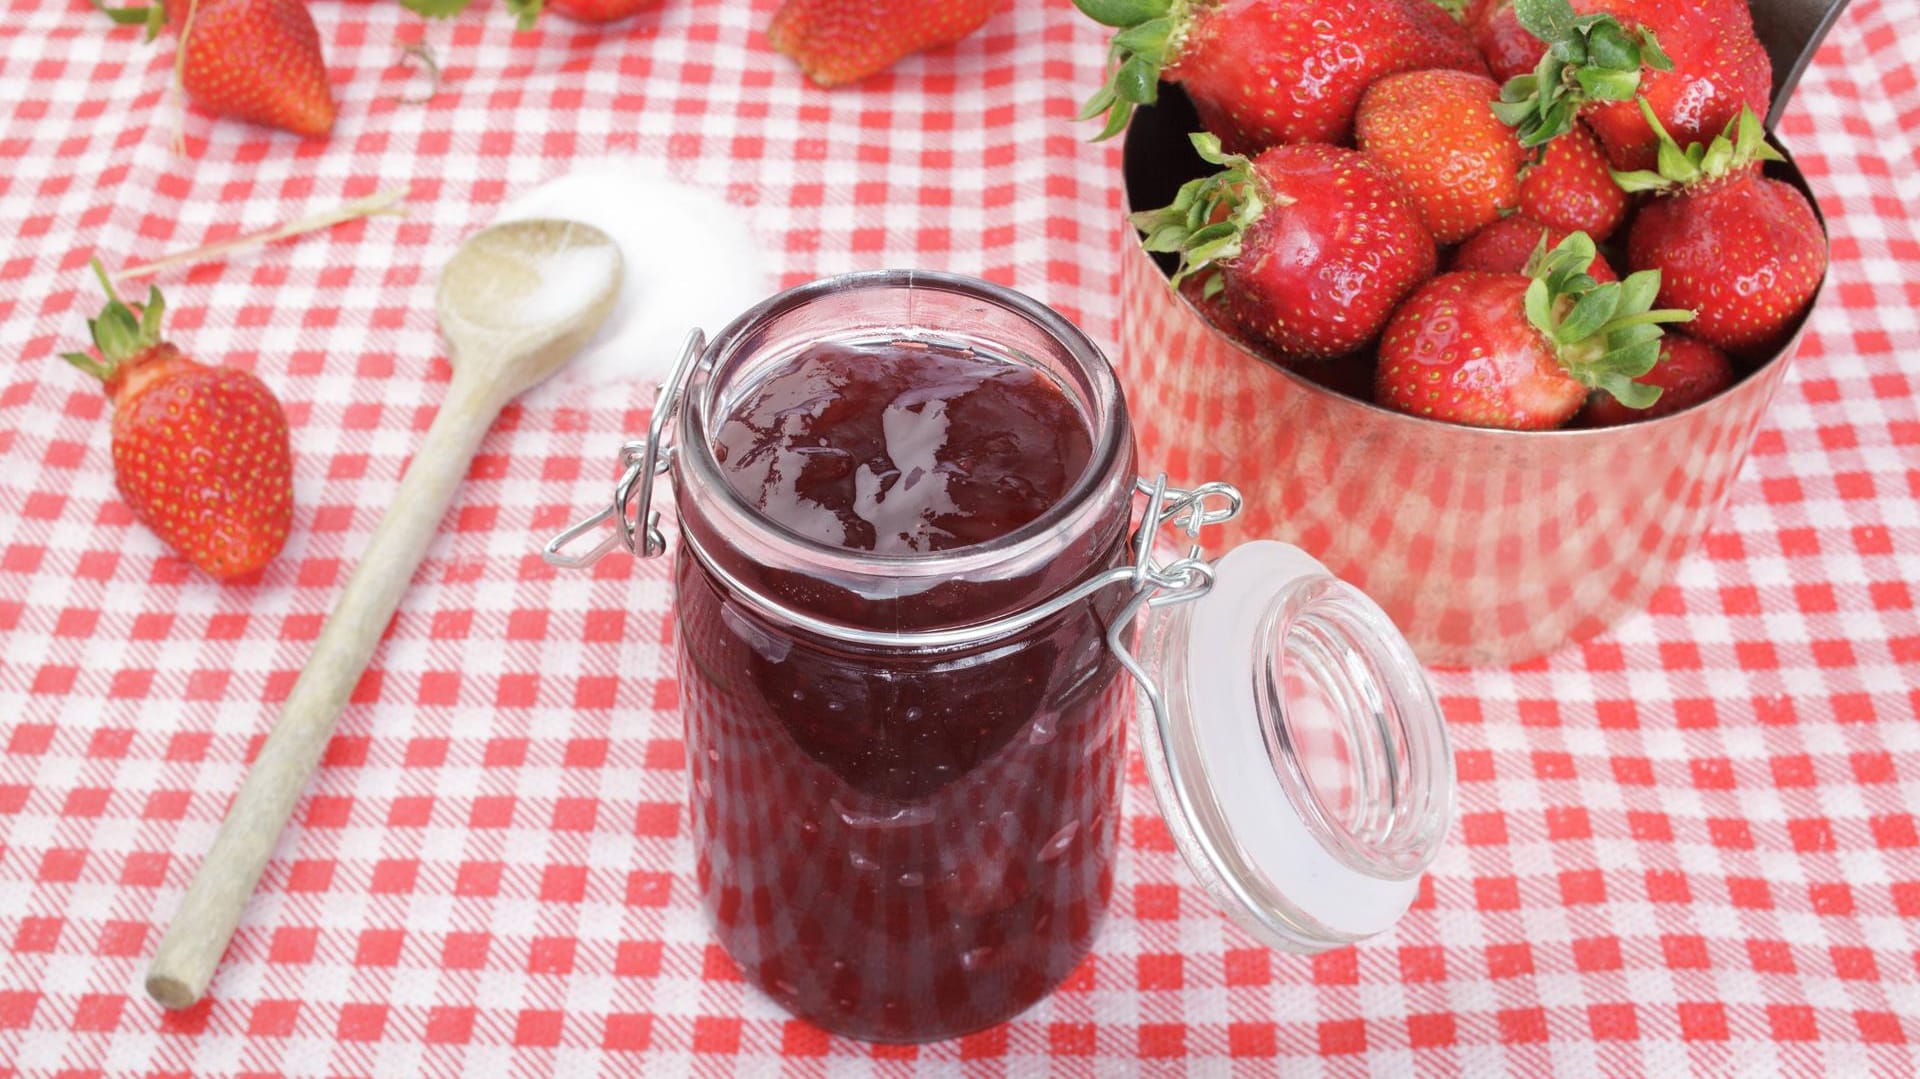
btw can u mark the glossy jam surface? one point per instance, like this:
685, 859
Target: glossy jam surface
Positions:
902, 845
902, 448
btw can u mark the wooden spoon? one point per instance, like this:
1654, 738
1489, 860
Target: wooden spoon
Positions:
515, 303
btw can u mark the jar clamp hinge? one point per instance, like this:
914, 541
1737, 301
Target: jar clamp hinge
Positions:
642, 463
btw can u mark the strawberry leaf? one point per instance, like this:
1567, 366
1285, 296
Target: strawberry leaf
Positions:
1551, 21
1208, 217
117, 332
1588, 58
1639, 290
87, 364
525, 13
1540, 306
1590, 312
436, 9
151, 314
1742, 146
1144, 45
153, 16
1651, 54
1625, 390
1122, 13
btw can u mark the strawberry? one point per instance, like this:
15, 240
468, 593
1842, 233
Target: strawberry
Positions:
1269, 72
1521, 352
1697, 62
256, 60
199, 453
842, 41
1687, 373
1510, 244
1436, 132
1509, 48
1744, 251
1719, 67
1313, 245
600, 11
1571, 188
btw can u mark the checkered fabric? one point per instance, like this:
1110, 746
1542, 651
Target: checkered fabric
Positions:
1689, 845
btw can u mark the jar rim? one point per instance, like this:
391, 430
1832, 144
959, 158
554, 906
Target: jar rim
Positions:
1107, 426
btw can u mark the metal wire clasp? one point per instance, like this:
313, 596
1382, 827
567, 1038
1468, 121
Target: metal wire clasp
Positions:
1181, 581
641, 462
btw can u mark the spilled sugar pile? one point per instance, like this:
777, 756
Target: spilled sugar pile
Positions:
691, 259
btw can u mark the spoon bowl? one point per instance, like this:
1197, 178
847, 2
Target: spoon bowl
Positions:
520, 298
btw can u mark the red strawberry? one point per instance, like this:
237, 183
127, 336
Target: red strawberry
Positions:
1687, 373
1702, 62
1520, 352
1719, 67
199, 453
842, 41
1509, 245
1509, 48
1436, 132
1269, 72
1314, 245
600, 11
1571, 188
1745, 252
256, 60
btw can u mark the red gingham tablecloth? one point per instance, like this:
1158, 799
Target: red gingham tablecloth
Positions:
1688, 846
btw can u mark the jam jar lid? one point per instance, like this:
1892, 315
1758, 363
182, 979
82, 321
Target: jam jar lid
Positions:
1297, 752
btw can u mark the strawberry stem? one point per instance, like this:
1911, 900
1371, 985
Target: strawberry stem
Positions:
385, 202
106, 283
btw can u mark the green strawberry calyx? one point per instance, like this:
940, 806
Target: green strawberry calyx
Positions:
1588, 58
1148, 38
1209, 216
526, 13
1731, 153
1605, 335
118, 333
153, 16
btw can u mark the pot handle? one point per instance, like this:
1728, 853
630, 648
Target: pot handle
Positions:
1792, 31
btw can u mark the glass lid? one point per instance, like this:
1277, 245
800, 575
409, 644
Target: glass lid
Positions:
1294, 745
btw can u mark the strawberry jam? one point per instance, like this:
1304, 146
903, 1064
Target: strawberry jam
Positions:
902, 842
902, 450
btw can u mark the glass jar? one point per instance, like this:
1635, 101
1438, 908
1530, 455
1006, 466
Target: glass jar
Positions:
905, 771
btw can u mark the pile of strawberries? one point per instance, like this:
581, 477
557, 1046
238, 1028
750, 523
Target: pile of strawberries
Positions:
1363, 144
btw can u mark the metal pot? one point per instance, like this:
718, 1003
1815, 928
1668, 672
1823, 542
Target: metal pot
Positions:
1486, 547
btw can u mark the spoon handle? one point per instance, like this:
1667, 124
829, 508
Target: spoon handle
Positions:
183, 964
